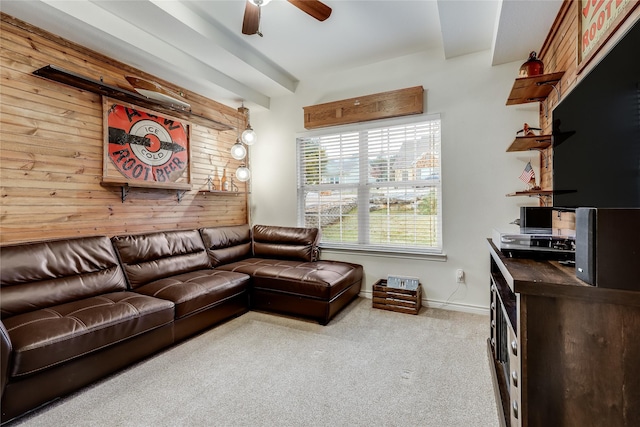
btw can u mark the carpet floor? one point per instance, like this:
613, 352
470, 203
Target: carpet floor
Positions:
368, 367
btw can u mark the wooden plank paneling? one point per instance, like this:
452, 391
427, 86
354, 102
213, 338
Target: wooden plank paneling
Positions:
51, 150
560, 53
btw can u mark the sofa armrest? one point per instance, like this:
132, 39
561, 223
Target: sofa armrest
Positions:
6, 350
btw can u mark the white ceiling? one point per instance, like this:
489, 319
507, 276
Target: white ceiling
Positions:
198, 45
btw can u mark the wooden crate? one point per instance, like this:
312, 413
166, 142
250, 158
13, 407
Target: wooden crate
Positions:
393, 299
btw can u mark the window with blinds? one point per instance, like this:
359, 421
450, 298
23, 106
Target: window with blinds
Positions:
376, 188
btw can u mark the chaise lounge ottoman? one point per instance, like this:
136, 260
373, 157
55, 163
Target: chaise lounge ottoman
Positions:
286, 275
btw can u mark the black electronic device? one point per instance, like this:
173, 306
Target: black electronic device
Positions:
536, 217
608, 247
596, 133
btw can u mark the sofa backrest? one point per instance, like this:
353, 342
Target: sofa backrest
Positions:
227, 244
295, 243
154, 256
38, 275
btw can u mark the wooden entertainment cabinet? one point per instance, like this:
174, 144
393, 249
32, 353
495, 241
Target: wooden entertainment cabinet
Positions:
561, 352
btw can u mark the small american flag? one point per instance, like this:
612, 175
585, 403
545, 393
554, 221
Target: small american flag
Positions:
527, 174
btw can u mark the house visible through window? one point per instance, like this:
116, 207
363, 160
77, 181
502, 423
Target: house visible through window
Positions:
376, 188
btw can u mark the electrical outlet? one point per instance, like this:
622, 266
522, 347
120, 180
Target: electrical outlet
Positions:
460, 275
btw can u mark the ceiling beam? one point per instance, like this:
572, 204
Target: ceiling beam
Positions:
476, 17
522, 27
216, 34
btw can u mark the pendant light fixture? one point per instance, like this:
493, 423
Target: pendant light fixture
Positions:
238, 151
243, 173
249, 136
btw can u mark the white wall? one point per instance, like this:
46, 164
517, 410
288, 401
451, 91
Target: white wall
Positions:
477, 127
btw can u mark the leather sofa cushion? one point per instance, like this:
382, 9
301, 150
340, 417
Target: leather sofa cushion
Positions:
47, 337
38, 275
197, 290
150, 257
320, 279
295, 243
227, 244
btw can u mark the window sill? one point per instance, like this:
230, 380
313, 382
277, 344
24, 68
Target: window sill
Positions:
407, 254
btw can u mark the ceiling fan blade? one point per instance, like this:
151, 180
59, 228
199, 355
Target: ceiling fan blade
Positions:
315, 8
251, 21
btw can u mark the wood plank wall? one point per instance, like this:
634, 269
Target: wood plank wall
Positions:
51, 150
560, 53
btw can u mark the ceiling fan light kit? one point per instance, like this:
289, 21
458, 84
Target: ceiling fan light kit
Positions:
251, 21
260, 2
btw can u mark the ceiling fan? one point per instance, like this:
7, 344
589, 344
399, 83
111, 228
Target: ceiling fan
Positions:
251, 22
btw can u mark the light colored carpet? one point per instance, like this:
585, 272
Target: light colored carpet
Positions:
368, 367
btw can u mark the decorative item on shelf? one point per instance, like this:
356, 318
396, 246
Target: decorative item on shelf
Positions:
217, 182
224, 184
210, 185
233, 187
528, 176
532, 67
243, 173
155, 91
527, 130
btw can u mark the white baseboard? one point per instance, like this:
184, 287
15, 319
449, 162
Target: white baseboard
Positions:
455, 306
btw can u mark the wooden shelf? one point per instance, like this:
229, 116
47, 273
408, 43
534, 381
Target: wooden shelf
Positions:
533, 89
222, 193
533, 142
125, 185
146, 184
531, 193
61, 75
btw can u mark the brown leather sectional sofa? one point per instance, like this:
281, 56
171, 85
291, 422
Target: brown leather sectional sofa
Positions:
76, 310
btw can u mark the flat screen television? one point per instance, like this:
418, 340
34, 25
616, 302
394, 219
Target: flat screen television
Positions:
596, 133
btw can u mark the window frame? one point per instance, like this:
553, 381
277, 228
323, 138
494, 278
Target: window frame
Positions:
433, 252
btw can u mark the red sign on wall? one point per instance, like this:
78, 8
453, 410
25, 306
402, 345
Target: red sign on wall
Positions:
144, 146
598, 21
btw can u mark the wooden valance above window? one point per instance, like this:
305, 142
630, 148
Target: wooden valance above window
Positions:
395, 103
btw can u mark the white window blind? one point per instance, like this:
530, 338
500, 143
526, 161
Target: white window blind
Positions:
375, 188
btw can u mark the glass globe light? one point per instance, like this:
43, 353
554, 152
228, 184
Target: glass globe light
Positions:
249, 137
238, 151
243, 173
260, 2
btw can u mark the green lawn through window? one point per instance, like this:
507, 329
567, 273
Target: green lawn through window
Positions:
400, 225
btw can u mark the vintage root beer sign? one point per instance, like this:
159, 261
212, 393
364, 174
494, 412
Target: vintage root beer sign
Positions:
598, 19
146, 147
